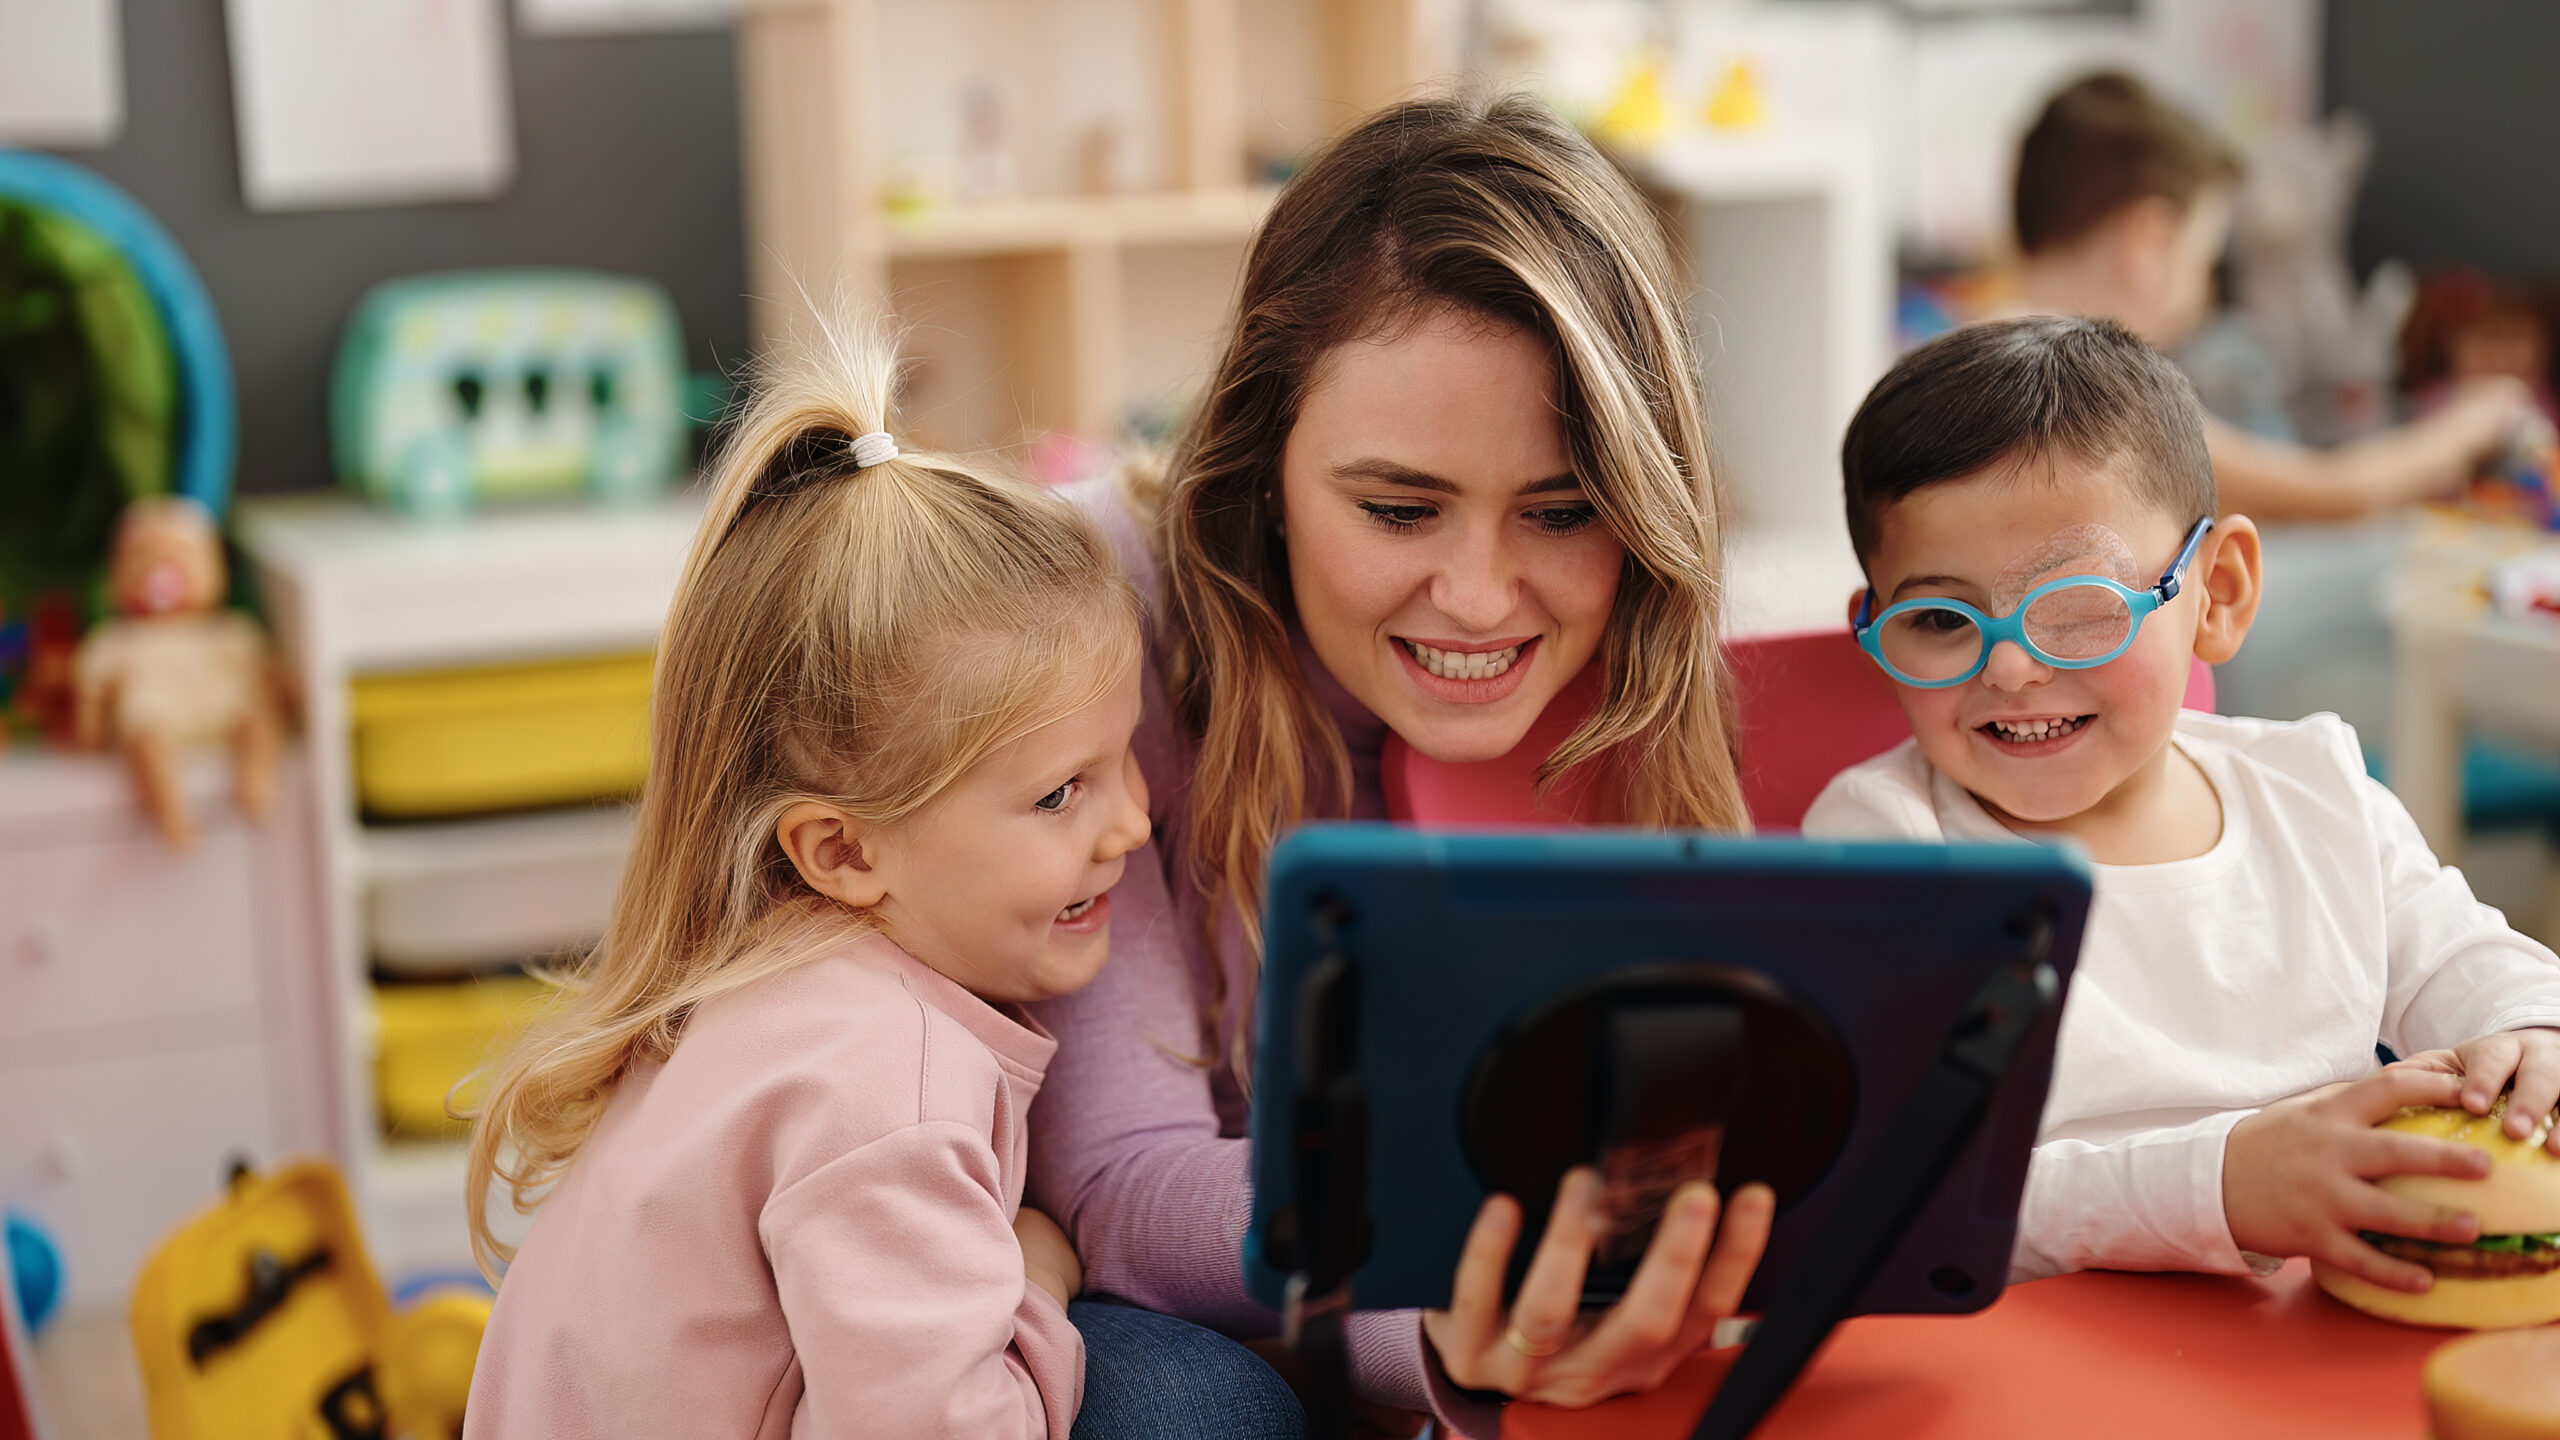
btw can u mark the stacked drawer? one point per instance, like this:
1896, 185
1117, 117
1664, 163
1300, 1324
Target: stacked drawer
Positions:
135, 1028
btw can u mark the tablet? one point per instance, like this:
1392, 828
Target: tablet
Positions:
1453, 1014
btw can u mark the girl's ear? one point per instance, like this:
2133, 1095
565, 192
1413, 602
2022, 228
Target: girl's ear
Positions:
2230, 581
834, 853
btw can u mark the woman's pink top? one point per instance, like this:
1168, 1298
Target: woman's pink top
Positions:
1140, 1150
801, 1223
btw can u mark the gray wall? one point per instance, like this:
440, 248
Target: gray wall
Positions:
627, 160
2466, 163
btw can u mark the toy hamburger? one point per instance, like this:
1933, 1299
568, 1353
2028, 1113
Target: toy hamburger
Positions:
2508, 1277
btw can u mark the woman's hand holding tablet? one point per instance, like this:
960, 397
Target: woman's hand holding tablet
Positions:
1543, 1348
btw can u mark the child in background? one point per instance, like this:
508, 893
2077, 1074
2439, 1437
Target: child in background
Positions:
774, 1123
2264, 910
2122, 207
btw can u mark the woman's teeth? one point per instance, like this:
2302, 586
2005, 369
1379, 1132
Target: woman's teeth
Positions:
1464, 665
2027, 732
1076, 911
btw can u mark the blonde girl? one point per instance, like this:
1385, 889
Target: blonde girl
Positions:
1451, 470
774, 1125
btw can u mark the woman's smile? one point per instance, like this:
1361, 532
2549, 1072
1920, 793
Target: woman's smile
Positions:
1477, 674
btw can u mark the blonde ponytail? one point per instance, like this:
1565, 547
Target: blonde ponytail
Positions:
858, 635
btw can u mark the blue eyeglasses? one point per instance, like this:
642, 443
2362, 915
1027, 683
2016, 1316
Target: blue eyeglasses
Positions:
2078, 622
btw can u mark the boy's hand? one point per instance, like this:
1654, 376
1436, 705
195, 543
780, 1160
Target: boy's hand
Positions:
2530, 1058
1049, 1259
2297, 1177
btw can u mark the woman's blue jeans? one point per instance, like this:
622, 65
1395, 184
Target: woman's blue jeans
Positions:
1153, 1377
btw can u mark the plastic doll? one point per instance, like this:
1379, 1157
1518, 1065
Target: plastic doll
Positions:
173, 670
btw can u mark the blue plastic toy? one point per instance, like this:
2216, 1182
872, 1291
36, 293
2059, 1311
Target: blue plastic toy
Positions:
36, 1263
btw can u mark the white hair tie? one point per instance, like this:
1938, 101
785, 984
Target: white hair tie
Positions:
875, 448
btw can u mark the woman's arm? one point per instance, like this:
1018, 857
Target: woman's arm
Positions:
2429, 458
1127, 1150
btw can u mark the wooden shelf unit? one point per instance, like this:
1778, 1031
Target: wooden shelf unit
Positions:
352, 590
1051, 307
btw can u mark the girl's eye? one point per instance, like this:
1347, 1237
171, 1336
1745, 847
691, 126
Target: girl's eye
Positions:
1056, 799
1396, 517
1564, 519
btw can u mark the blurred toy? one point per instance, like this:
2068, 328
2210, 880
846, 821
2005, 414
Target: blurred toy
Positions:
263, 1316
2290, 277
2466, 326
2521, 485
117, 386
35, 1268
2525, 588
1737, 103
505, 384
41, 690
173, 670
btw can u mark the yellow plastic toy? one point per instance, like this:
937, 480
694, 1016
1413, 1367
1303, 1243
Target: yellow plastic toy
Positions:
262, 1319
1638, 115
1737, 103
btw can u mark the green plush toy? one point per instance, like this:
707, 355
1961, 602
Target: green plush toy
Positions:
88, 401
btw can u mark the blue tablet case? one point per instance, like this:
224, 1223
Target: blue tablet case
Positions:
1457, 940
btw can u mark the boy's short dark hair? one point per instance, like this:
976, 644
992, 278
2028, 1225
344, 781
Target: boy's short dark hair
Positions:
2102, 143
2018, 389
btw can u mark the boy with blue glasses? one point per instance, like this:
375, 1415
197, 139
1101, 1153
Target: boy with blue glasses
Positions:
2035, 513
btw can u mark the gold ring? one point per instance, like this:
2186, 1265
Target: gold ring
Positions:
1520, 1342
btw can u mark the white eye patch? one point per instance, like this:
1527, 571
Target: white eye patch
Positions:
2074, 550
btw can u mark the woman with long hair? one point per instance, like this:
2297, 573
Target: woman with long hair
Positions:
1450, 470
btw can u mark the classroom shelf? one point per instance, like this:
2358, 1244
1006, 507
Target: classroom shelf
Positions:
1016, 227
1024, 318
352, 590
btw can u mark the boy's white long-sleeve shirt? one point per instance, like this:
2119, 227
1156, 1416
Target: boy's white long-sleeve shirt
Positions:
2318, 924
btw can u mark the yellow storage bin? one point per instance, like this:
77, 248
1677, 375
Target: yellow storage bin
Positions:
428, 1037
501, 737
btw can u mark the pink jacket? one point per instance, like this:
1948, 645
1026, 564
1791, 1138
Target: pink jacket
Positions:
799, 1224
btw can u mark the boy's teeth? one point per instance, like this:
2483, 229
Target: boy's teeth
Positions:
1456, 665
2027, 730
1078, 908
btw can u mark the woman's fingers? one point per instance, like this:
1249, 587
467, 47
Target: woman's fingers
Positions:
1649, 1316
1475, 1300
1736, 1258
1550, 1298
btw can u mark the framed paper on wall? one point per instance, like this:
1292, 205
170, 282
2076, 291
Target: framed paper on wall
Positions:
382, 103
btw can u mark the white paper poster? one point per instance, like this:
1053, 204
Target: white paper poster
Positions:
370, 102
61, 73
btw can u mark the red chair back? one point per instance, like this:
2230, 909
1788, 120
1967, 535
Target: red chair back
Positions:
1809, 705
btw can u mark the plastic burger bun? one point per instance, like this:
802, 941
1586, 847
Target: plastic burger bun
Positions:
2520, 1197
2495, 1387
